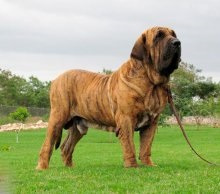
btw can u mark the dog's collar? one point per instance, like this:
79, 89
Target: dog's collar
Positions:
136, 57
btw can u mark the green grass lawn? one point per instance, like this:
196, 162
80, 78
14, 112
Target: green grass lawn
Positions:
99, 166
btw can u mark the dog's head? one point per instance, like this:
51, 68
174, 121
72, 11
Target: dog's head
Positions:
159, 47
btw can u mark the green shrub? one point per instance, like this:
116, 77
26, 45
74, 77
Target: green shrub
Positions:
21, 114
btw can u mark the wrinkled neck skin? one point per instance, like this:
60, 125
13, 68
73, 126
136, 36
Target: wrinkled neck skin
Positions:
154, 77
140, 74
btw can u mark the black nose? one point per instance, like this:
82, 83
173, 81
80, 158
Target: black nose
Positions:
176, 42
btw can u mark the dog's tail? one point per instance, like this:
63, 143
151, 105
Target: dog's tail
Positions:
59, 136
58, 139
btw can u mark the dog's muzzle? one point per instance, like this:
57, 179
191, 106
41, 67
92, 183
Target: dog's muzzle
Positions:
171, 57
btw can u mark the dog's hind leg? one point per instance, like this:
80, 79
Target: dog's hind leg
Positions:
75, 133
54, 132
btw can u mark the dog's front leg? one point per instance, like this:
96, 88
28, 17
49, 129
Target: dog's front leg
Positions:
146, 140
125, 125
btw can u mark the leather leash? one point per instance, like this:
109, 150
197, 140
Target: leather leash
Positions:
172, 107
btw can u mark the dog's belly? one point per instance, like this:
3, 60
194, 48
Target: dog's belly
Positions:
96, 113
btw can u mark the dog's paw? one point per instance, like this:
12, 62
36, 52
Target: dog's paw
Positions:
148, 162
130, 164
41, 166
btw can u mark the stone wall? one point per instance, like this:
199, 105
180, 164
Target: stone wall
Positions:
211, 121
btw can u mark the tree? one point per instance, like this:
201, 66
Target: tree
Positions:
21, 114
11, 87
38, 92
192, 92
18, 91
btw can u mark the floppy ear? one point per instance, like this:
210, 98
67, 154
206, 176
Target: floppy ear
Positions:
139, 50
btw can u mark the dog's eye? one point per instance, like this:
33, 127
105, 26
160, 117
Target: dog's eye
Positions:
160, 34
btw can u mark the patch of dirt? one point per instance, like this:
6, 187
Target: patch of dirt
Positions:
20, 126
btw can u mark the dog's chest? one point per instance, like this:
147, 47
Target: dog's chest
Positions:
154, 104
156, 100
143, 120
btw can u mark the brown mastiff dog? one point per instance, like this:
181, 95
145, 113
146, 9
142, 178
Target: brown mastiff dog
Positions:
130, 99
